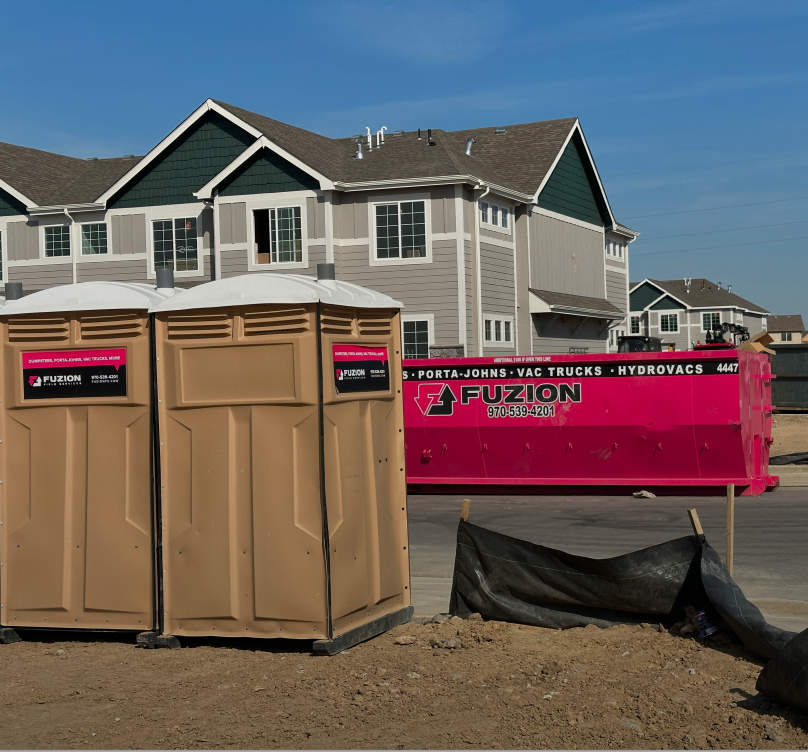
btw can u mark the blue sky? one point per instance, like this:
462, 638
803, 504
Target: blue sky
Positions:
687, 106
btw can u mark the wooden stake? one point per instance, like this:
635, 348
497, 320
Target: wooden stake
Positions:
730, 526
464, 515
694, 520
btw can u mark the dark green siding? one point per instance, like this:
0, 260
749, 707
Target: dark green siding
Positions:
572, 189
667, 304
9, 206
200, 154
644, 295
266, 172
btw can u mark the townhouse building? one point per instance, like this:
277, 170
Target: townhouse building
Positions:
786, 329
682, 311
499, 241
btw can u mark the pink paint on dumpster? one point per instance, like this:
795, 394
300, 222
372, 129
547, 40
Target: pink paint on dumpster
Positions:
650, 420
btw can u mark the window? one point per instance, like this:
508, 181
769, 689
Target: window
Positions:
669, 322
93, 239
615, 248
278, 235
494, 215
498, 330
416, 339
710, 321
504, 222
785, 336
175, 244
614, 336
484, 212
401, 230
635, 324
57, 241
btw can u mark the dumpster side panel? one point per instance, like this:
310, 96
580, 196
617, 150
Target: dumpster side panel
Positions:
240, 462
364, 465
76, 464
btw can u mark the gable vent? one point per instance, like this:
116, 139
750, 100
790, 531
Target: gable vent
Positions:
203, 326
38, 329
112, 326
374, 323
336, 320
276, 321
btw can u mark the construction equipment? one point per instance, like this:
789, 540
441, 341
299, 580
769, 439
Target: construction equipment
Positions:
715, 339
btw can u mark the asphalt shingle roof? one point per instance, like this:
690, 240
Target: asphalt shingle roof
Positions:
786, 323
581, 302
51, 179
704, 293
518, 159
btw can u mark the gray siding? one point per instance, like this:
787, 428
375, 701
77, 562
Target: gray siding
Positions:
471, 298
350, 216
128, 233
233, 262
116, 270
315, 213
41, 276
232, 223
443, 211
753, 322
565, 257
423, 288
681, 338
23, 241
616, 289
557, 338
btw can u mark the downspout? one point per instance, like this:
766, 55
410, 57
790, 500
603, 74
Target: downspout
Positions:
480, 330
73, 251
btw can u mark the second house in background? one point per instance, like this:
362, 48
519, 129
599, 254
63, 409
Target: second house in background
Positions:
499, 241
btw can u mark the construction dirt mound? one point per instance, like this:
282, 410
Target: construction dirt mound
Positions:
458, 684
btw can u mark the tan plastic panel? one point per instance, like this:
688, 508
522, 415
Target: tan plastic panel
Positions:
366, 494
76, 539
239, 428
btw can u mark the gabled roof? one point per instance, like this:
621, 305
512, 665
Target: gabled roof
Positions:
577, 305
47, 179
515, 160
787, 323
703, 294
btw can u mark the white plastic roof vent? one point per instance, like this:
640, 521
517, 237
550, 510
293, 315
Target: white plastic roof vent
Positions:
88, 296
263, 288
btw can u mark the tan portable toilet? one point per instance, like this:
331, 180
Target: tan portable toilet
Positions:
282, 460
75, 459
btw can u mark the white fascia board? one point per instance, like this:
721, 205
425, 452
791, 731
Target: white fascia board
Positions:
207, 106
206, 191
576, 128
12, 191
59, 208
369, 185
684, 305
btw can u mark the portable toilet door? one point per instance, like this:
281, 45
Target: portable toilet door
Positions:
76, 501
283, 501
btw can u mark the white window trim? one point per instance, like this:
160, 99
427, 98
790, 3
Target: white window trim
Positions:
615, 334
56, 259
80, 234
639, 325
397, 198
679, 323
3, 254
430, 320
702, 314
489, 225
278, 203
493, 317
200, 256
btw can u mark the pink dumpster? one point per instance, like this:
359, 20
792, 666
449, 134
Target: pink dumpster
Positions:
672, 422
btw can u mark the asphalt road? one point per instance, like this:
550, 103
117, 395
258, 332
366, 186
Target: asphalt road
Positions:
771, 538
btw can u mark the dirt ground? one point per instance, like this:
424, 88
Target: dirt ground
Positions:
790, 434
482, 684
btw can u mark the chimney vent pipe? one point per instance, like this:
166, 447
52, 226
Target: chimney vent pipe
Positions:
326, 272
165, 279
469, 142
13, 290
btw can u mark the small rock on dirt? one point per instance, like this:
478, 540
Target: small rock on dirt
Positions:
476, 617
404, 640
439, 618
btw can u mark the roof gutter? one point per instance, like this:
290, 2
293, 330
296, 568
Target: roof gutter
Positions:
366, 185
35, 211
